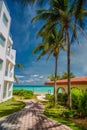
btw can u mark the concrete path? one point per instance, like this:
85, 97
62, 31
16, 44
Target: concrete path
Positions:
30, 118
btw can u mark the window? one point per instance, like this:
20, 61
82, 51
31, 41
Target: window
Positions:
2, 40
1, 63
8, 49
5, 20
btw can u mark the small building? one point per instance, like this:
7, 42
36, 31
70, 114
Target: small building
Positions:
7, 54
78, 82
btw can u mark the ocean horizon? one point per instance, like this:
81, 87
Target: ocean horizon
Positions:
35, 88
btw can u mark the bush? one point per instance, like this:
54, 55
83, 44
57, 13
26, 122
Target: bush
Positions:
83, 104
26, 94
76, 98
62, 98
68, 113
50, 98
79, 102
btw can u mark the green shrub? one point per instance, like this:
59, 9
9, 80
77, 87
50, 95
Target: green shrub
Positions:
76, 98
68, 113
79, 102
26, 94
49, 97
62, 98
83, 103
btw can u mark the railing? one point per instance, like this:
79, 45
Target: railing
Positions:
10, 35
8, 53
8, 74
11, 54
4, 95
11, 75
9, 93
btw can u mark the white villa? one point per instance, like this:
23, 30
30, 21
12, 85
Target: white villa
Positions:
7, 55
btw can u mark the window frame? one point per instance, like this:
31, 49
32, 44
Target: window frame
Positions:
5, 19
1, 61
3, 39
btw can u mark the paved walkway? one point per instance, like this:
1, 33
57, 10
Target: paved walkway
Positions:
30, 118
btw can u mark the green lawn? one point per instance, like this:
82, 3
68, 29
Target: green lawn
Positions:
65, 121
10, 107
53, 113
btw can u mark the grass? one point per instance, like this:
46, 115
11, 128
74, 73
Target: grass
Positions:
67, 122
15, 104
54, 113
24, 94
10, 107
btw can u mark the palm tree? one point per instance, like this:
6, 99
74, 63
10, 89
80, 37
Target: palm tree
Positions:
51, 45
65, 75
62, 13
66, 15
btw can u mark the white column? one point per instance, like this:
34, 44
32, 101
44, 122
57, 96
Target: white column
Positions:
7, 90
11, 89
9, 69
0, 93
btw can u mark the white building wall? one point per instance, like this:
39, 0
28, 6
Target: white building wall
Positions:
4, 30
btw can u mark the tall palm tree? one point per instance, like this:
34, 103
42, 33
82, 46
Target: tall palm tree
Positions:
51, 45
63, 15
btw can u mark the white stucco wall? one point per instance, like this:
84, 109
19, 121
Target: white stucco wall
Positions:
4, 30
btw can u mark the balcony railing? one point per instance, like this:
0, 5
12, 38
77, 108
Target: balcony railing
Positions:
6, 73
9, 74
11, 54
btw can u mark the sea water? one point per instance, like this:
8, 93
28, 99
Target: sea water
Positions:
35, 89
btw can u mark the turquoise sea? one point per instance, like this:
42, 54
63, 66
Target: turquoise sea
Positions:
35, 89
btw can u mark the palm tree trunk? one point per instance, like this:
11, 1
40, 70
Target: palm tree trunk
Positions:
55, 92
68, 69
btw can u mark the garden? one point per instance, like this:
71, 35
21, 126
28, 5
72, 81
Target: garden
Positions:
76, 118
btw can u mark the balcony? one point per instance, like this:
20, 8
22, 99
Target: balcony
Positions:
9, 76
10, 39
11, 56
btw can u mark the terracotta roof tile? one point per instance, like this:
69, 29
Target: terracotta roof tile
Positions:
77, 80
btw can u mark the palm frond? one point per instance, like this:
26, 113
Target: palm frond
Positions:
20, 66
15, 78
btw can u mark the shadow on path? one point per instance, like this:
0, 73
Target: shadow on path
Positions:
30, 118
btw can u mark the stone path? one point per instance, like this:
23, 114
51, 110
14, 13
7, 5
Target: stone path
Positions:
30, 118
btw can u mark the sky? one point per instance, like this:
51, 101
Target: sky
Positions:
24, 37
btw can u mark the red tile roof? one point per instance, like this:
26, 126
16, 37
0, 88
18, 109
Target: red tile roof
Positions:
74, 81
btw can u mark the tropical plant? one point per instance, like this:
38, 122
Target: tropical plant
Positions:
20, 66
67, 15
62, 13
51, 45
65, 75
52, 77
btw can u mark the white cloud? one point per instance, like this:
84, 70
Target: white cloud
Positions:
41, 77
19, 76
35, 75
29, 81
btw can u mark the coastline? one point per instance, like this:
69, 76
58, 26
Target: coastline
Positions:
42, 93
38, 90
